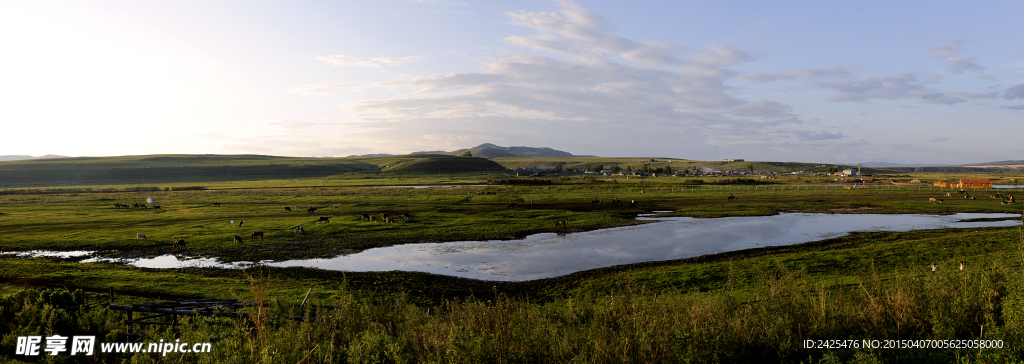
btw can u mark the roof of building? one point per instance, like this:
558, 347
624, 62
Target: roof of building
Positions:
975, 180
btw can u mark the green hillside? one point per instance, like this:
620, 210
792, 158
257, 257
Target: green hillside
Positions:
85, 171
433, 163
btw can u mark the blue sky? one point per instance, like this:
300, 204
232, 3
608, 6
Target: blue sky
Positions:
830, 82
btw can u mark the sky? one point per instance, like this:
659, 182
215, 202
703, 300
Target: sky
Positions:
937, 82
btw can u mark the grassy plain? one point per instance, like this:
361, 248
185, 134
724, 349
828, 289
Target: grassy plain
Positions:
755, 304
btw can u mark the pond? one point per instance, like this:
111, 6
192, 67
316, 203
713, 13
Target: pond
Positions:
550, 255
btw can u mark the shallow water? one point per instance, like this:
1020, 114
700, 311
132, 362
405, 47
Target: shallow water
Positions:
550, 255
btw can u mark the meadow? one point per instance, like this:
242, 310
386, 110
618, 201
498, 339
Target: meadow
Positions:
757, 304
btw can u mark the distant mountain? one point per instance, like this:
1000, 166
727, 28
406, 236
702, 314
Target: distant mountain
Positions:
488, 150
887, 164
431, 152
372, 155
4, 158
1000, 163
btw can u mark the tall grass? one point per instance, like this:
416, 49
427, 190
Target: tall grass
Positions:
625, 323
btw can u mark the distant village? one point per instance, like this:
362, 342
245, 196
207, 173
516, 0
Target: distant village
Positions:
846, 175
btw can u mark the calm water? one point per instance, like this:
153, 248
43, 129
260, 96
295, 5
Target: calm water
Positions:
550, 255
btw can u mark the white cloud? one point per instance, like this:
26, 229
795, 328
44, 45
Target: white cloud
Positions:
340, 60
400, 60
831, 72
948, 53
1015, 92
907, 86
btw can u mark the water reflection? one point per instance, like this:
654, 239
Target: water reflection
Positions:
551, 255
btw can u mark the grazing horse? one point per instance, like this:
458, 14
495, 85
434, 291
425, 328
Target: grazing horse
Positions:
373, 218
178, 242
238, 239
323, 219
731, 197
336, 208
311, 210
140, 236
560, 223
298, 229
389, 219
948, 194
633, 203
216, 204
384, 216
595, 201
156, 207
289, 209
932, 200
256, 234
365, 217
406, 216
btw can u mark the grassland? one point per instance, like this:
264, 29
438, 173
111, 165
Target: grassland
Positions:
752, 305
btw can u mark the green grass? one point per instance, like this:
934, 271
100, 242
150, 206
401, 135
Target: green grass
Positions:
751, 305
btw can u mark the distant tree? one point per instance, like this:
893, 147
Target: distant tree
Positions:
559, 169
600, 167
750, 167
467, 154
616, 169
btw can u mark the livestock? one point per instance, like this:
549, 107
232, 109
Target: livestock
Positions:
336, 208
560, 223
298, 229
616, 200
177, 243
256, 234
365, 217
961, 265
512, 204
406, 216
935, 267
238, 239
384, 216
389, 219
289, 209
595, 201
948, 194
373, 218
216, 204
311, 210
633, 203
731, 197
240, 223
140, 236
932, 200
323, 219
156, 207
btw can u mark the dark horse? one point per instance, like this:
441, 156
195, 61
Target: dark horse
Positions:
256, 234
560, 223
323, 219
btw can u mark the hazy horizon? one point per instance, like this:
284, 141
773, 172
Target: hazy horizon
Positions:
899, 82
